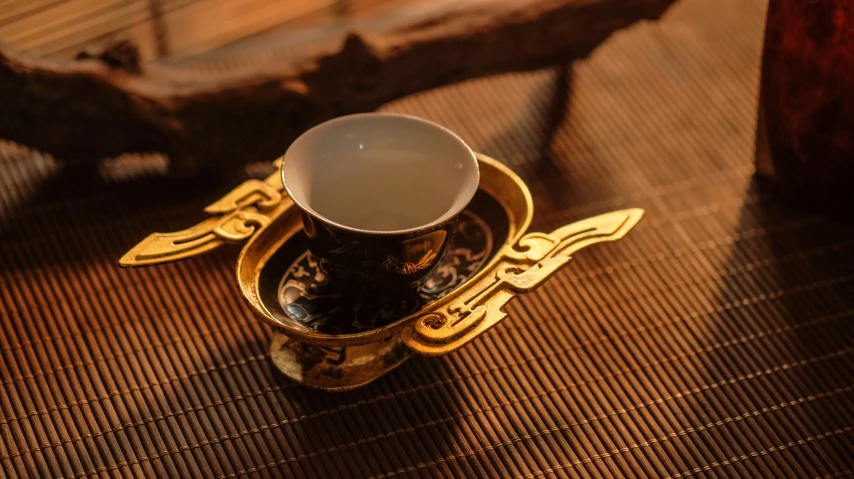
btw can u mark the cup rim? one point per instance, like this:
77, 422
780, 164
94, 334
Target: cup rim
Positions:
444, 218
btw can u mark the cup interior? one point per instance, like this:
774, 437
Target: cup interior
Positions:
380, 173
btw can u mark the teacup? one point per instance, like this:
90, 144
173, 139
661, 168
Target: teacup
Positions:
379, 195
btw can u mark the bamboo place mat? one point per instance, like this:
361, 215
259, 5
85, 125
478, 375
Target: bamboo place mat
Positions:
713, 340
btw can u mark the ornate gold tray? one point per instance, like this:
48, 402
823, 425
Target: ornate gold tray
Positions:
322, 340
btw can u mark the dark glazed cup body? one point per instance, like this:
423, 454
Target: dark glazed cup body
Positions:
352, 258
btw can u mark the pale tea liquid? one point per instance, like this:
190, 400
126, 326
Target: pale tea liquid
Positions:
385, 195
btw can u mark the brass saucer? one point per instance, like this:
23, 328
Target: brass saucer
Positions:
325, 341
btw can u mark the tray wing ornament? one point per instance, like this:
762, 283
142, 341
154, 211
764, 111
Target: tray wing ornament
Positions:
239, 215
522, 268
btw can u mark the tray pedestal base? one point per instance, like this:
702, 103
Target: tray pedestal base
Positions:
336, 368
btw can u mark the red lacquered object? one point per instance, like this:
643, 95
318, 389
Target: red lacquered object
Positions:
806, 137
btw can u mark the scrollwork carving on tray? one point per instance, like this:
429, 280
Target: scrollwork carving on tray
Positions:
522, 268
240, 214
240, 224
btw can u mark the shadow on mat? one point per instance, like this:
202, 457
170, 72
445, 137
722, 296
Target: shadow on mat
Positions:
779, 341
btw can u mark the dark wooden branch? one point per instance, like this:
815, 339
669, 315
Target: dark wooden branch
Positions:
87, 110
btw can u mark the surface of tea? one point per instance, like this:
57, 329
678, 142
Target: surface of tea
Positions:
385, 195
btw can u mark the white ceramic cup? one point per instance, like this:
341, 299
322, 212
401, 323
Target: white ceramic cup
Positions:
380, 194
